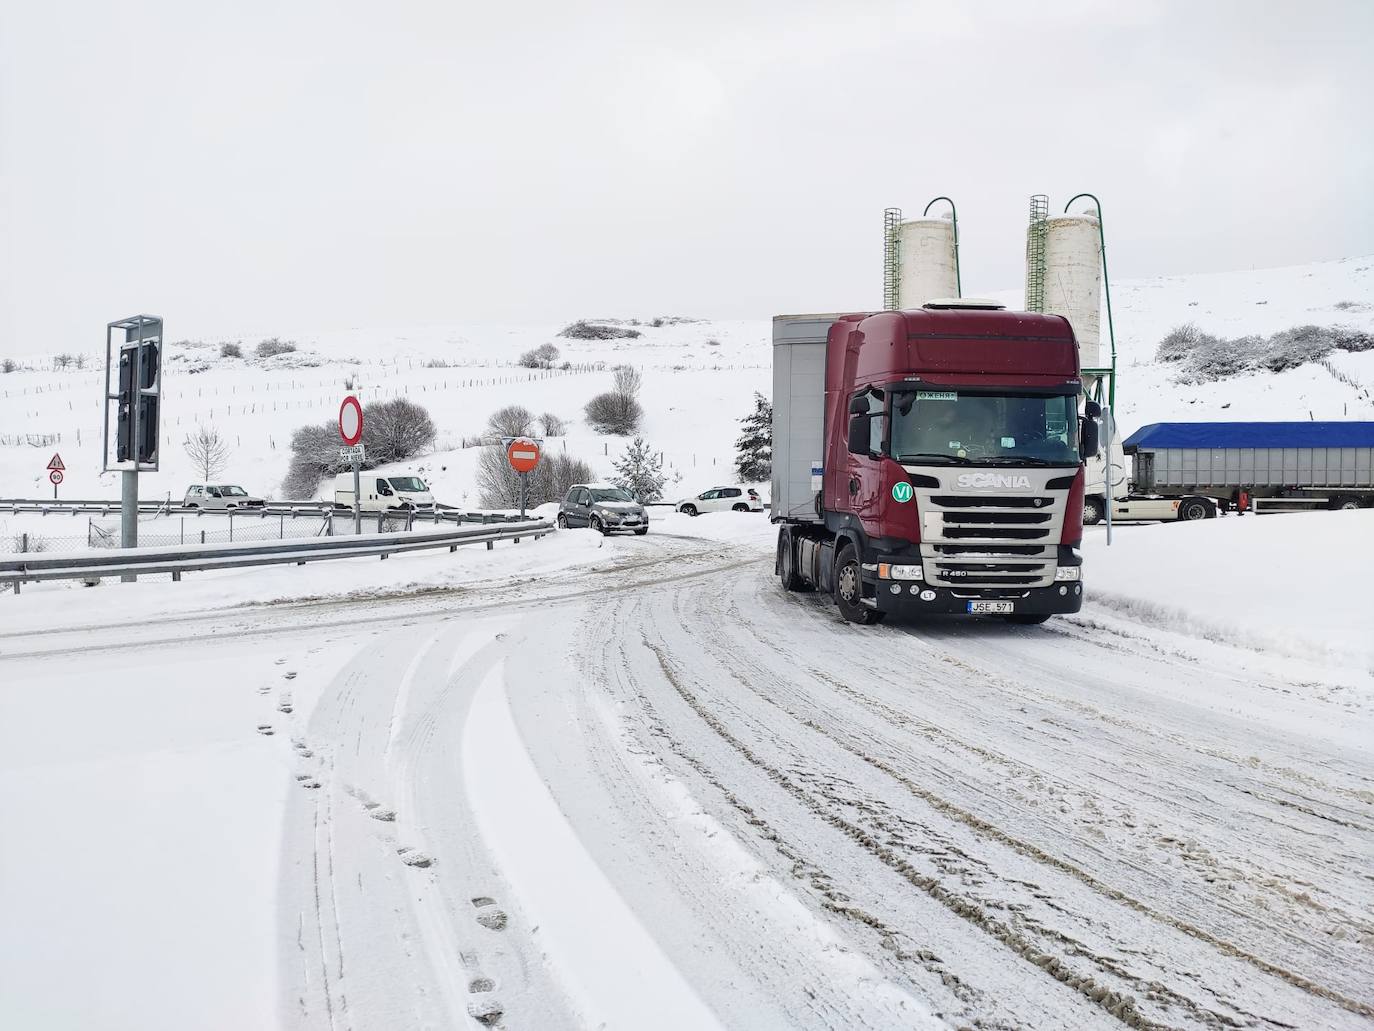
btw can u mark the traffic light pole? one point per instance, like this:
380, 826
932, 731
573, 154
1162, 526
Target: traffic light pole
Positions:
128, 517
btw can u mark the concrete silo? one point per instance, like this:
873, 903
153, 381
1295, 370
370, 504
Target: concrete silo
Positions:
1073, 280
929, 263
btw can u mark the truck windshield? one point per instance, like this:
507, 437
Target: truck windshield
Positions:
1004, 429
411, 484
234, 492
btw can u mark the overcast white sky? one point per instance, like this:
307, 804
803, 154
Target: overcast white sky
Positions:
278, 166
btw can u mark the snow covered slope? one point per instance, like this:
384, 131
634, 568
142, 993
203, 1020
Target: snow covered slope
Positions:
699, 377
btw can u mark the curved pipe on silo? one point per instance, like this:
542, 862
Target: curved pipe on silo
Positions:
1107, 284
954, 217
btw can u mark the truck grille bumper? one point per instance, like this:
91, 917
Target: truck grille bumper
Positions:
991, 540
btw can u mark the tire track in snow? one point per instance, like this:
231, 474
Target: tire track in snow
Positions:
740, 660
1115, 1004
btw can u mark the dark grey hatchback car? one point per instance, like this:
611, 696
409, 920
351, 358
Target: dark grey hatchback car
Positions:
603, 507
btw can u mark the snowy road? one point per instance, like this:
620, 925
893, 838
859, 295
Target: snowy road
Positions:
663, 793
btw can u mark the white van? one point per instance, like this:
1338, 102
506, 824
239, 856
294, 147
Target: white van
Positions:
381, 493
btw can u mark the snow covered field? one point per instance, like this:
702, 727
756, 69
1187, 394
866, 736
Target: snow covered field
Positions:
628, 782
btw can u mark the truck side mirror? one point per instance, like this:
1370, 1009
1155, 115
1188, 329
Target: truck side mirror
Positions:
858, 405
859, 433
1090, 437
1092, 410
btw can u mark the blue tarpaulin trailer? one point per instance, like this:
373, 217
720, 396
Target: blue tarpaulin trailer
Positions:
1309, 463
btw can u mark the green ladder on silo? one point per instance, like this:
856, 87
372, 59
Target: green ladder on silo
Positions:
892, 258
1035, 253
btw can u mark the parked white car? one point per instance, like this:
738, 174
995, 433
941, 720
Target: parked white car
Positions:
722, 499
219, 497
382, 493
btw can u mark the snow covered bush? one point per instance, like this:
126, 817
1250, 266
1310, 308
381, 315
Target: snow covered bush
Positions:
541, 357
754, 448
8, 365
273, 346
584, 330
231, 350
1178, 344
1203, 358
554, 425
614, 413
640, 472
498, 485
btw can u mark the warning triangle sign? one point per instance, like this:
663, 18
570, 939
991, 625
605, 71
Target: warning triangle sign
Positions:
56, 463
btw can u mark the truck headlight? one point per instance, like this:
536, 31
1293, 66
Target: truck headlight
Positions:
894, 571
1068, 572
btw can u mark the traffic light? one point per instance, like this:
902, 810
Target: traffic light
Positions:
138, 364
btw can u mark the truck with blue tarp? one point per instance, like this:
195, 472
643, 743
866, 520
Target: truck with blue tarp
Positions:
1193, 470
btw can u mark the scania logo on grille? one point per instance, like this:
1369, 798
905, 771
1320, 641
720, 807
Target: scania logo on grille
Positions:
992, 481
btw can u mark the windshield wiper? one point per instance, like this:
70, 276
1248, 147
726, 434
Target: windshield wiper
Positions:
1024, 461
951, 459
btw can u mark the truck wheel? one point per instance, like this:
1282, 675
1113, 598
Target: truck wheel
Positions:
1093, 512
1027, 618
1195, 508
1345, 504
849, 589
787, 564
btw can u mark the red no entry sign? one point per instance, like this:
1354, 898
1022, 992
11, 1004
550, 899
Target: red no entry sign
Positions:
351, 420
523, 454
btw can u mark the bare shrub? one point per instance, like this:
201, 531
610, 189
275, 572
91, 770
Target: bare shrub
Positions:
554, 426
615, 413
396, 430
302, 480
208, 452
231, 350
541, 357
498, 484
62, 360
627, 380
511, 421
8, 365
274, 346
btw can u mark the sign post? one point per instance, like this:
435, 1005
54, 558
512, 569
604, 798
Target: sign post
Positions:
351, 432
523, 455
55, 470
133, 389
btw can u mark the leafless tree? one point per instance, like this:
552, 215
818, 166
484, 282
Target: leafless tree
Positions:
554, 426
208, 452
511, 421
614, 412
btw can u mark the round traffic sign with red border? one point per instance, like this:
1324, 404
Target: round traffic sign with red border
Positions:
55, 476
351, 420
523, 454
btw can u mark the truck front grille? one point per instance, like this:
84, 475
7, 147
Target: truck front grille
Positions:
979, 541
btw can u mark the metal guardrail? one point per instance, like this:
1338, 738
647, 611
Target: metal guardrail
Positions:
98, 563
293, 509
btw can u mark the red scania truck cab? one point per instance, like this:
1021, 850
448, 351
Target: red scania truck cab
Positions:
930, 461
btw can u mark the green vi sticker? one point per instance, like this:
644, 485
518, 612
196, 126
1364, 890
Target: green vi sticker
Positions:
901, 492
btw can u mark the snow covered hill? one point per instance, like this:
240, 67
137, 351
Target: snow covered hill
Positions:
699, 378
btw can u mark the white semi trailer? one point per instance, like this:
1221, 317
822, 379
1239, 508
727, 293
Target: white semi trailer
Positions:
1193, 470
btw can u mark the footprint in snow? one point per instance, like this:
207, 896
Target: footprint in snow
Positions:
488, 915
487, 1012
291, 675
414, 857
265, 729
